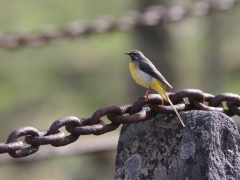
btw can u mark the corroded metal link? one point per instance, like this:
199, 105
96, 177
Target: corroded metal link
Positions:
117, 115
178, 100
70, 120
218, 99
77, 129
141, 115
151, 18
67, 140
63, 122
126, 108
110, 127
44, 139
201, 106
233, 108
10, 147
208, 97
140, 102
180, 106
107, 128
186, 93
22, 132
136, 117
102, 112
86, 128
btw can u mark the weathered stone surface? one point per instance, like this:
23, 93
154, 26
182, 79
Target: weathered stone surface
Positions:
161, 149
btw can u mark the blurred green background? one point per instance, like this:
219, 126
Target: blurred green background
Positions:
78, 76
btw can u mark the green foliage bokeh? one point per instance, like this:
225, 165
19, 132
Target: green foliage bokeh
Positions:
41, 84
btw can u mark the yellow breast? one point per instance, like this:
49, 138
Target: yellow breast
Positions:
139, 76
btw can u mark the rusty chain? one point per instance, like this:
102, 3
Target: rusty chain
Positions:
136, 113
150, 18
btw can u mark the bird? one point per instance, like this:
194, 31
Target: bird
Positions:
146, 74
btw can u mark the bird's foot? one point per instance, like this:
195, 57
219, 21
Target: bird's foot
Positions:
145, 94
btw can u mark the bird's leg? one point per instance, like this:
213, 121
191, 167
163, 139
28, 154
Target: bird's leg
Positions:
146, 93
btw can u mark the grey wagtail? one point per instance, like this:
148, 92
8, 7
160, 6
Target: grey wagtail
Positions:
145, 73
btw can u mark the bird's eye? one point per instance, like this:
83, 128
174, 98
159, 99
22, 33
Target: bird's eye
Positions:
134, 54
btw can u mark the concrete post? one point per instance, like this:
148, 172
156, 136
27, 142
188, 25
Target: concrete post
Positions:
161, 149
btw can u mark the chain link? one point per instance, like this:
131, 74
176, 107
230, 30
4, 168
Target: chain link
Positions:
117, 115
152, 17
22, 152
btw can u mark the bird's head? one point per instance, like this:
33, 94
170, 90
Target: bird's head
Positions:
135, 55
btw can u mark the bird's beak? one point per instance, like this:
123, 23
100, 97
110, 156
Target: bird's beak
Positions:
126, 53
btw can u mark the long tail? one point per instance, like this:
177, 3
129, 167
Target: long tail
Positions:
179, 117
160, 88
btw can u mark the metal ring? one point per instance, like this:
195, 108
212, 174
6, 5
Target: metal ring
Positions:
85, 130
104, 111
22, 132
69, 120
14, 146
44, 139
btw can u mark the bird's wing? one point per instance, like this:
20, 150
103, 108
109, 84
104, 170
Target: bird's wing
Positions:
150, 69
